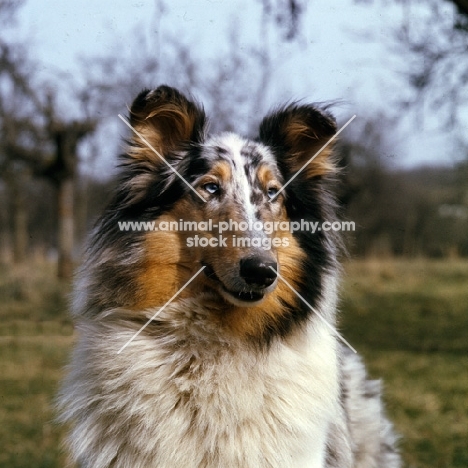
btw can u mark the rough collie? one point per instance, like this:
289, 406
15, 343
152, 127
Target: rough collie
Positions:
206, 332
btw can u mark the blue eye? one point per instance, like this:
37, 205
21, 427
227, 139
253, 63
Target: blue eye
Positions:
272, 191
211, 187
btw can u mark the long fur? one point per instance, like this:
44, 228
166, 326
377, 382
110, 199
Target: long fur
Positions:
237, 371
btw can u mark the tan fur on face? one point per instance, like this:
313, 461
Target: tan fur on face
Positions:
162, 271
222, 171
266, 177
169, 264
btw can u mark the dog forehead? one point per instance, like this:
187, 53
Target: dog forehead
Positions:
239, 152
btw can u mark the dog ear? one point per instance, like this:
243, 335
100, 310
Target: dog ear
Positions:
167, 120
296, 134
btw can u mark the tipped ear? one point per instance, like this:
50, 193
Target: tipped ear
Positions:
296, 134
167, 120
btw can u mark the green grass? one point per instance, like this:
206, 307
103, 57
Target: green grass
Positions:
35, 339
403, 305
408, 319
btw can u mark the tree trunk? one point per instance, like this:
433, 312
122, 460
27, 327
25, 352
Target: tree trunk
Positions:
65, 228
19, 218
63, 173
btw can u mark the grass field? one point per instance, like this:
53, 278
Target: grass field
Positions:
409, 320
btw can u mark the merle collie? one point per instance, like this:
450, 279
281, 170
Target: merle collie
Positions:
215, 346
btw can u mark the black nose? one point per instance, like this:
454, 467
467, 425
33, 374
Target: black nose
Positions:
257, 271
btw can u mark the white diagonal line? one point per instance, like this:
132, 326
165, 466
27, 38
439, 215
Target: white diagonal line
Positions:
313, 157
332, 328
160, 310
147, 143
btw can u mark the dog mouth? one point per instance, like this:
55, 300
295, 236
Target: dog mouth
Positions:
246, 296
237, 297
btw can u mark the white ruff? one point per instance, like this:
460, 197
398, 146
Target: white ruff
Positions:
186, 398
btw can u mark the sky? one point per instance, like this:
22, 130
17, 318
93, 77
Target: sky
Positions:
344, 53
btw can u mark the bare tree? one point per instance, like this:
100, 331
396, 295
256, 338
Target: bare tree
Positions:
433, 33
62, 172
286, 14
19, 130
437, 43
34, 141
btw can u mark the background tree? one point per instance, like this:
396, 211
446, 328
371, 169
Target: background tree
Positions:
436, 38
20, 135
34, 142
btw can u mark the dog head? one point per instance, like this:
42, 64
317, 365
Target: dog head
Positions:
236, 195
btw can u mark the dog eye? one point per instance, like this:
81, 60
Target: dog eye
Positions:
211, 187
272, 191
